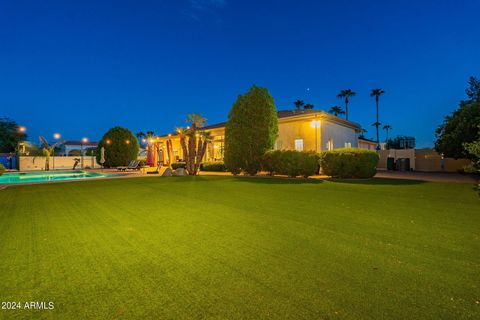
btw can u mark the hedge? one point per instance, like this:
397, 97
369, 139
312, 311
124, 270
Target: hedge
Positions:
349, 163
180, 164
291, 163
2, 169
121, 147
213, 166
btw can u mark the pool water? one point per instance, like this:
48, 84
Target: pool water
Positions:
27, 177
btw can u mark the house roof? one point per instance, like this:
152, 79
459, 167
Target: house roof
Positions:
283, 114
79, 143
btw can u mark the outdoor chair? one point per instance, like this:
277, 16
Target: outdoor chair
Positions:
124, 168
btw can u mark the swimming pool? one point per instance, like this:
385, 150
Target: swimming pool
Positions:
29, 177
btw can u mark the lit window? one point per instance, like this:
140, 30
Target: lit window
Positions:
299, 144
330, 144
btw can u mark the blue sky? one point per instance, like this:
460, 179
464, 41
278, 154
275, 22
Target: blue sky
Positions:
81, 67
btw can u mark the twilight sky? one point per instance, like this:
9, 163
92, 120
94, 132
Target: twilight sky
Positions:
81, 67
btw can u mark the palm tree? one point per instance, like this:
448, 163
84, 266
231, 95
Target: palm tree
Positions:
308, 106
376, 125
387, 128
346, 94
362, 133
48, 149
299, 104
336, 110
194, 142
377, 93
204, 138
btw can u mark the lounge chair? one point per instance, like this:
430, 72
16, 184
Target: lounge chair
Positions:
131, 166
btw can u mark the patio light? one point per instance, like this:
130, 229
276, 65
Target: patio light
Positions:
57, 136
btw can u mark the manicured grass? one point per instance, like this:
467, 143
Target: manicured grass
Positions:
241, 248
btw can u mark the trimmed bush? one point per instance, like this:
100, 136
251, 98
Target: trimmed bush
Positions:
291, 163
251, 130
177, 165
349, 163
121, 147
213, 166
2, 169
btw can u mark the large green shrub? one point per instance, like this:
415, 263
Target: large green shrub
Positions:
179, 164
213, 166
291, 163
121, 147
2, 169
251, 130
349, 163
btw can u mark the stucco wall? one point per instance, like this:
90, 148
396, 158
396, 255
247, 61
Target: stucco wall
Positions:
425, 160
27, 163
290, 131
339, 135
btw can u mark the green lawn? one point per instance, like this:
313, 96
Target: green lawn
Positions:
241, 248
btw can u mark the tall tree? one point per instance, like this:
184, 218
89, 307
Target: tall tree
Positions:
377, 93
457, 129
251, 130
387, 129
346, 94
299, 104
120, 145
362, 133
336, 110
460, 127
473, 90
308, 106
10, 135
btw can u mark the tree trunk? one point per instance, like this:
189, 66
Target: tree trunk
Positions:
192, 146
378, 123
198, 159
346, 108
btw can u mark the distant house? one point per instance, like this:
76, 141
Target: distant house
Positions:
312, 130
365, 143
75, 147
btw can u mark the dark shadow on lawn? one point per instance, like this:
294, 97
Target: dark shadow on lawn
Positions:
379, 181
276, 180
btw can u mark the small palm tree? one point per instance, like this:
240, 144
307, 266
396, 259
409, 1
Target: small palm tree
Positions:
377, 93
48, 149
336, 110
387, 129
299, 104
308, 106
362, 133
194, 142
346, 94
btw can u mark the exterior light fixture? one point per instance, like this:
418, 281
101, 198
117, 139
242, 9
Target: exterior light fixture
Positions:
127, 141
56, 136
22, 129
315, 124
84, 140
108, 141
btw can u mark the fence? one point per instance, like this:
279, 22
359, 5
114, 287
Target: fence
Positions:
8, 160
32, 163
425, 160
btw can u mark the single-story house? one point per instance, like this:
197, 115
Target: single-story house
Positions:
75, 147
365, 143
310, 130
